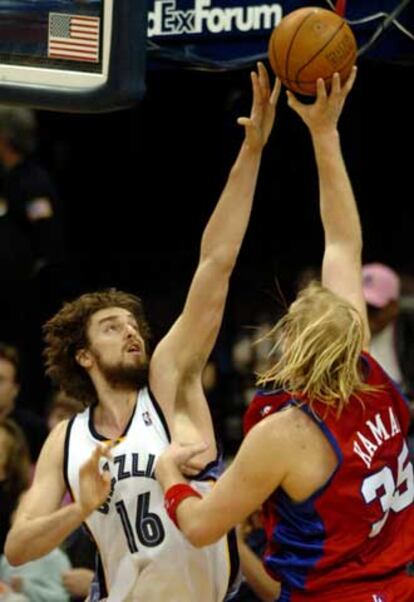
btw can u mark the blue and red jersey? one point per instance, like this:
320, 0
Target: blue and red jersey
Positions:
353, 539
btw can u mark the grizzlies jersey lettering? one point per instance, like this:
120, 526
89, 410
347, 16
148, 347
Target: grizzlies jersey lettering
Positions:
353, 539
144, 557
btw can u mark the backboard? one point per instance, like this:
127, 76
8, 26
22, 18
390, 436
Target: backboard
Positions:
72, 55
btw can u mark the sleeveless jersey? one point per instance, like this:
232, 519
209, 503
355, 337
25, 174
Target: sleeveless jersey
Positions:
144, 557
353, 539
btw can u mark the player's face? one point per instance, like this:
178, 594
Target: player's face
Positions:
116, 345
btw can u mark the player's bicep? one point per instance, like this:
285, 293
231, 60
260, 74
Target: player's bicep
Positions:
48, 487
341, 273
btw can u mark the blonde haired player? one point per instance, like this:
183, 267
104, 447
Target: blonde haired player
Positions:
325, 450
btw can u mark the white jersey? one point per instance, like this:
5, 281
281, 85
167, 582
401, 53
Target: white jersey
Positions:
144, 557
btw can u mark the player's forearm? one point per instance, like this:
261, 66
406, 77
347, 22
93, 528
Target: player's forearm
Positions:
32, 538
225, 230
193, 516
337, 202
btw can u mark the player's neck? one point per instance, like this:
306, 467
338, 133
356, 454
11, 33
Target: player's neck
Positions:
114, 409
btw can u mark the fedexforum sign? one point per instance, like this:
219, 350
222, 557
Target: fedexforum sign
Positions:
172, 18
223, 29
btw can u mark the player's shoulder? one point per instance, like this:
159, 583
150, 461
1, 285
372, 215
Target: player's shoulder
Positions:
264, 403
53, 450
57, 436
282, 427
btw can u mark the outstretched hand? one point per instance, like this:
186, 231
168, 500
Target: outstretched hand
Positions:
324, 113
259, 125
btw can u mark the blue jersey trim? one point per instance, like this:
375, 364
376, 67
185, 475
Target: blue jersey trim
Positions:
265, 393
321, 424
160, 413
285, 595
300, 532
66, 457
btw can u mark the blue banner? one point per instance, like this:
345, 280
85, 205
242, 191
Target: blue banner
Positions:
231, 33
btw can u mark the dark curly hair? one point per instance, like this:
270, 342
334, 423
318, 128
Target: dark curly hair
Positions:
66, 333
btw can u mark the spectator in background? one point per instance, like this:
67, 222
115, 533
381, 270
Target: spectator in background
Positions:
392, 342
62, 407
31, 424
8, 595
30, 230
28, 196
14, 473
39, 580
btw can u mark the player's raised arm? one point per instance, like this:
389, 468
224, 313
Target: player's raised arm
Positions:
187, 346
341, 268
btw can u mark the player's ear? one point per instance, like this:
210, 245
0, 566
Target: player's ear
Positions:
84, 358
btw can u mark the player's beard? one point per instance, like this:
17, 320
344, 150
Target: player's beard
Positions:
126, 377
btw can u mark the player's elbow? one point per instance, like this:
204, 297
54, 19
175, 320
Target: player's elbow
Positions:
18, 549
199, 536
220, 258
13, 552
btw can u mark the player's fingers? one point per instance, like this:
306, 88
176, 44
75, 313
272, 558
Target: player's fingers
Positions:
351, 79
99, 452
292, 101
245, 122
106, 476
321, 94
336, 84
194, 464
193, 449
275, 92
257, 94
263, 79
189, 471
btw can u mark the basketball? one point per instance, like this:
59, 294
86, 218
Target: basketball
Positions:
309, 43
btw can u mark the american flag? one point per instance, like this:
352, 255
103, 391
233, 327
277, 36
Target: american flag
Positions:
73, 37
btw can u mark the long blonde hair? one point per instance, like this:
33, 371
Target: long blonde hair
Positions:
318, 345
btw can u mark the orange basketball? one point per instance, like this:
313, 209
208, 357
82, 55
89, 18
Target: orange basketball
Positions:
310, 43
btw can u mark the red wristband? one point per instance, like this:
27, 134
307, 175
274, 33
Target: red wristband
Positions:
174, 496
